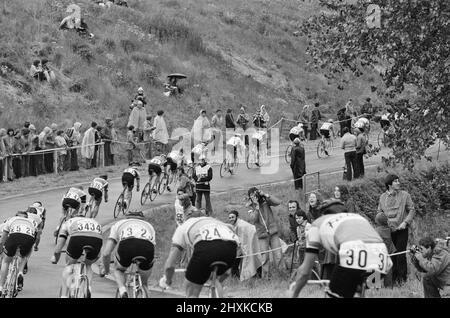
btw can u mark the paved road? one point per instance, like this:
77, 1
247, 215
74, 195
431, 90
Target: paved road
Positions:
43, 279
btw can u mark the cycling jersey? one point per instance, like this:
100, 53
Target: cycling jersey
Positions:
199, 149
159, 160
75, 194
362, 122
352, 237
99, 184
18, 224
326, 126
235, 141
132, 171
199, 229
81, 226
296, 130
132, 228
176, 157
35, 218
22, 235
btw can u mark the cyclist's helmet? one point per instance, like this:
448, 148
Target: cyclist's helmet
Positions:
32, 209
104, 176
134, 164
330, 120
37, 204
163, 155
80, 187
137, 214
23, 214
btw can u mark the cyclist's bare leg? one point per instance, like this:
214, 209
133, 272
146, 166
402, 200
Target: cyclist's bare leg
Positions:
119, 275
193, 290
4, 270
66, 274
95, 208
127, 196
145, 275
64, 213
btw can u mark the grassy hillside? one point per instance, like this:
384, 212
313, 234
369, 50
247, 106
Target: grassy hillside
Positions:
232, 51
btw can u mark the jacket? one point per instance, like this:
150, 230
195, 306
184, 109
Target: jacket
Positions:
361, 143
160, 134
315, 116
263, 219
438, 266
229, 121
348, 142
397, 207
202, 177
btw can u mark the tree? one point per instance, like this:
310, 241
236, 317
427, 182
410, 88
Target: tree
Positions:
407, 42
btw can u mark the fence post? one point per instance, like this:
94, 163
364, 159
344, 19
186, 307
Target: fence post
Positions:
55, 161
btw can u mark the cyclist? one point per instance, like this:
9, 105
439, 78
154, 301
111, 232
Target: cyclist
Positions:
18, 232
350, 236
297, 132
326, 128
155, 168
128, 176
384, 121
133, 237
232, 146
96, 189
199, 150
41, 212
210, 240
259, 137
78, 231
364, 124
74, 198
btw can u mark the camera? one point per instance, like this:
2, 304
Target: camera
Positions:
414, 249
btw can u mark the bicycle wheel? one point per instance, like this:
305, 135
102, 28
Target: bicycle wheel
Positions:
83, 288
163, 183
11, 281
119, 205
145, 194
223, 168
380, 139
141, 293
321, 149
190, 172
287, 154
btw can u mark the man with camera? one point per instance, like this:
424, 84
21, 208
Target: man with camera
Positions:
433, 260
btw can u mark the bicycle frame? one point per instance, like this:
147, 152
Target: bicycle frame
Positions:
80, 275
11, 280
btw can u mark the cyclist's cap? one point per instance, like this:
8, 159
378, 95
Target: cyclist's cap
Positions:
104, 176
252, 189
32, 209
37, 204
332, 206
296, 140
22, 214
134, 214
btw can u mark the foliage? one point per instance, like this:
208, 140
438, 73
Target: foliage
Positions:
410, 49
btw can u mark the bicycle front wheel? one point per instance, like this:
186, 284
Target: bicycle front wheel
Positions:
287, 154
145, 193
223, 168
141, 293
321, 149
119, 205
163, 184
153, 191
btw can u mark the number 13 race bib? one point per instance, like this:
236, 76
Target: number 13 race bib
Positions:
211, 232
136, 231
365, 256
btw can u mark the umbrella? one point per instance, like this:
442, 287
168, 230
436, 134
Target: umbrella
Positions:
177, 75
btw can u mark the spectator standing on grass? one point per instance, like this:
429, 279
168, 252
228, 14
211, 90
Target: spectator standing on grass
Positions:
342, 118
115, 148
349, 114
315, 117
34, 147
399, 208
2, 153
229, 120
148, 128
434, 260
201, 130
361, 142
348, 143
27, 146
73, 140
50, 144
262, 216
298, 165
98, 139
384, 231
61, 143
8, 141
216, 126
43, 144
131, 140
304, 118
202, 176
342, 194
137, 118
17, 158
105, 134
160, 134
87, 145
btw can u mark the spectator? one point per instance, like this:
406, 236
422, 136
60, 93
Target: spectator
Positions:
61, 143
36, 71
399, 208
148, 128
43, 145
137, 118
107, 139
202, 176
201, 130
27, 124
341, 193
34, 138
434, 259
186, 184
367, 109
293, 207
384, 231
48, 73
229, 120
216, 125
9, 141
243, 121
179, 211
341, 115
160, 134
304, 118
265, 117
17, 158
87, 145
98, 139
298, 165
27, 146
114, 145
349, 114
245, 267
2, 153
361, 143
264, 220
313, 206
315, 117
302, 227
50, 144
348, 143
73, 140
140, 96
131, 143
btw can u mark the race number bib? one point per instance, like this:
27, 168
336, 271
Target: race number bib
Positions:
365, 256
211, 232
88, 226
156, 161
22, 228
72, 195
97, 185
136, 231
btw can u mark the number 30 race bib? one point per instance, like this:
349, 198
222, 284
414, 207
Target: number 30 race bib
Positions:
365, 256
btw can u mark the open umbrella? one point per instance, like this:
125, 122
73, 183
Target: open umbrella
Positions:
177, 75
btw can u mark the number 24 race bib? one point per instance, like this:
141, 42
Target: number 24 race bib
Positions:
211, 232
365, 256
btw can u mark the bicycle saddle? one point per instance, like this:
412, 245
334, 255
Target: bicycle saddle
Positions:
88, 248
138, 259
217, 264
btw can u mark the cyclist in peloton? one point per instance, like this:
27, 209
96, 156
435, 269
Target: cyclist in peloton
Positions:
74, 198
297, 132
96, 189
232, 147
350, 236
199, 150
18, 232
363, 123
128, 176
155, 168
210, 240
79, 231
133, 237
40, 210
325, 130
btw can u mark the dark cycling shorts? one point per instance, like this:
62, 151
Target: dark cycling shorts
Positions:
74, 204
345, 281
325, 133
128, 180
207, 252
133, 247
76, 243
15, 240
173, 164
153, 167
96, 193
293, 136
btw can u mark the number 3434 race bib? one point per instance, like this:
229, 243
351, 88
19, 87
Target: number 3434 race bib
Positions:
365, 256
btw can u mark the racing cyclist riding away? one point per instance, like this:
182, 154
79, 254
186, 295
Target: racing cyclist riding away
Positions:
155, 168
297, 132
233, 144
96, 189
39, 209
128, 176
325, 131
74, 198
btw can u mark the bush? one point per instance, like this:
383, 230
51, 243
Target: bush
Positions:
109, 44
150, 76
129, 45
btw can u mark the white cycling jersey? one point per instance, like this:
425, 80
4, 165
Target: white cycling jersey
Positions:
133, 171
132, 228
75, 193
235, 141
362, 122
19, 224
99, 184
326, 126
296, 130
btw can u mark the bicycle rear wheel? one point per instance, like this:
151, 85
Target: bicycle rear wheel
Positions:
141, 293
163, 183
321, 149
287, 154
119, 205
223, 168
83, 288
11, 281
145, 193
153, 191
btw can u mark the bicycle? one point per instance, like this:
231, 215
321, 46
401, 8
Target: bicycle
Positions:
287, 154
69, 213
324, 147
79, 287
120, 203
150, 191
89, 206
215, 287
163, 182
11, 290
134, 285
229, 167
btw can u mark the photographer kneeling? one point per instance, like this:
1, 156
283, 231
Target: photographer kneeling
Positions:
435, 261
